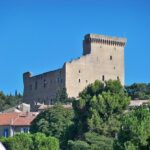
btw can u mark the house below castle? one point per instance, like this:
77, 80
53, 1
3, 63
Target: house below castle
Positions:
15, 122
102, 59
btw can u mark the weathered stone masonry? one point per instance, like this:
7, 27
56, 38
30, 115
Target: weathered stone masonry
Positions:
103, 59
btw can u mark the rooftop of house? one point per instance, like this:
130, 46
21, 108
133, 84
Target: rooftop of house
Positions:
23, 107
17, 119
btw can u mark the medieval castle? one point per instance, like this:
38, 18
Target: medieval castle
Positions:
103, 59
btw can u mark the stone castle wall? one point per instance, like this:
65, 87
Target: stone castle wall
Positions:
43, 87
103, 59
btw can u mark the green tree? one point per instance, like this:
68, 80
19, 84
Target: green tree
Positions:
8, 101
41, 142
61, 96
139, 91
18, 142
99, 108
55, 122
78, 145
91, 141
36, 141
97, 141
135, 132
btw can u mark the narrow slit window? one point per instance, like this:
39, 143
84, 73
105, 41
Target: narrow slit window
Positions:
45, 83
110, 57
36, 85
103, 78
79, 80
118, 78
30, 86
61, 80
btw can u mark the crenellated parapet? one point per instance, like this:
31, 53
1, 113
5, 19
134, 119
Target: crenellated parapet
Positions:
27, 75
107, 40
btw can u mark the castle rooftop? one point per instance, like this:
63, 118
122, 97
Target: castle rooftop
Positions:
104, 37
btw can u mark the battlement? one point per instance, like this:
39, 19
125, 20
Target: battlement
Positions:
27, 75
97, 39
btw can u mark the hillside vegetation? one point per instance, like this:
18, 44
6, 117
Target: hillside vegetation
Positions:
8, 101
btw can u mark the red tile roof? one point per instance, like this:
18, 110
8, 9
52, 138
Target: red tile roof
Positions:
17, 119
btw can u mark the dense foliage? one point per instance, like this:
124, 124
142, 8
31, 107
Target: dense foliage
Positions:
62, 97
99, 108
99, 120
36, 141
96, 120
54, 121
8, 101
134, 133
91, 141
139, 91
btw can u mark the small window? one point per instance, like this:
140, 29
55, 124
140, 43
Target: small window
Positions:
86, 81
45, 84
36, 85
110, 57
22, 130
114, 67
30, 86
6, 132
79, 71
25, 130
118, 78
103, 78
51, 101
79, 80
58, 80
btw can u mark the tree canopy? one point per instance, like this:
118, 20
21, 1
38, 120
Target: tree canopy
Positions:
134, 133
62, 97
36, 141
99, 106
139, 91
54, 121
91, 141
8, 101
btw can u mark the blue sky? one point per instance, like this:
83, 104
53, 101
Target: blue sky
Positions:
40, 35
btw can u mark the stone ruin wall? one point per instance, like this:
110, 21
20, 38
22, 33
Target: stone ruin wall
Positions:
43, 87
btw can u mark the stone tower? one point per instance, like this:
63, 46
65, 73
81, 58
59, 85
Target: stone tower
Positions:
103, 59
